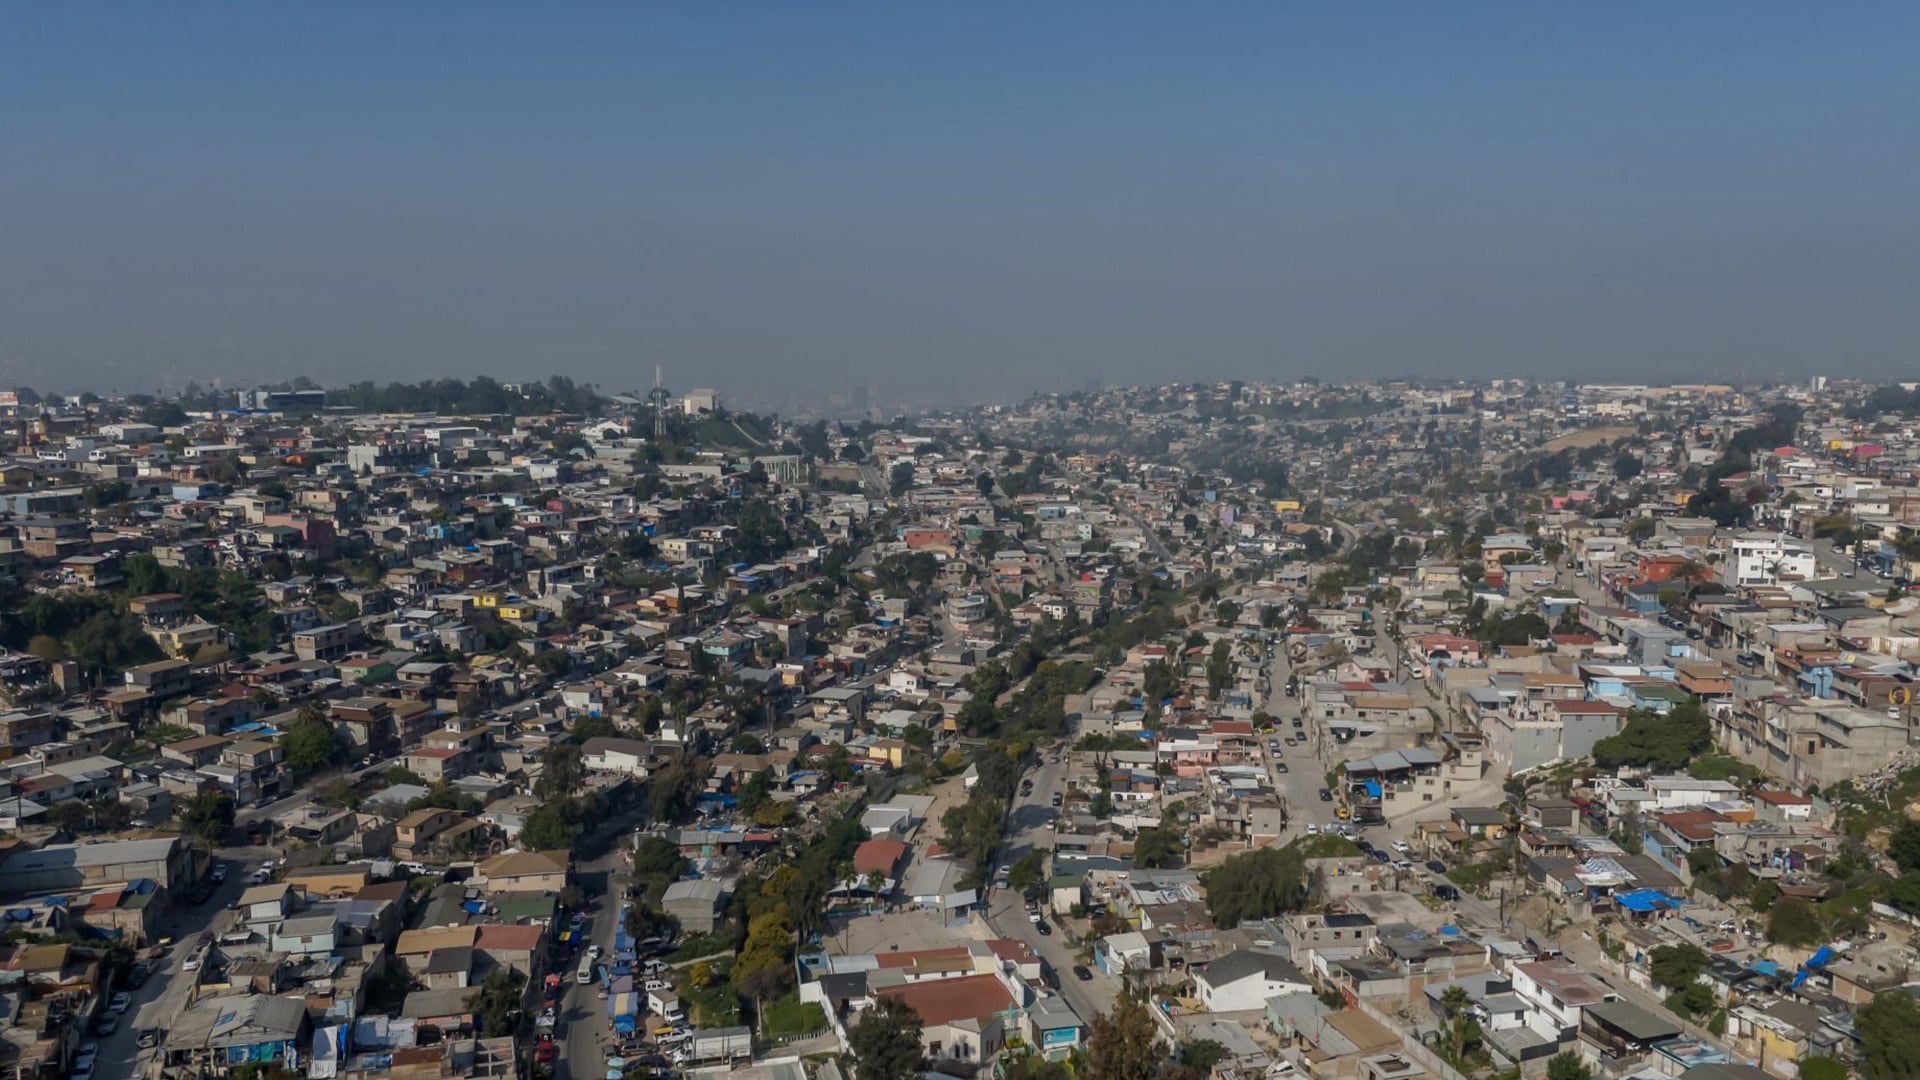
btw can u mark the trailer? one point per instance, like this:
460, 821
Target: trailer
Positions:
721, 1044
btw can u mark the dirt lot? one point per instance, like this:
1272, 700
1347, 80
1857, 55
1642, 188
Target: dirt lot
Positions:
1590, 437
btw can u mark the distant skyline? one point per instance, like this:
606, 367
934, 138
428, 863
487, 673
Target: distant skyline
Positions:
960, 203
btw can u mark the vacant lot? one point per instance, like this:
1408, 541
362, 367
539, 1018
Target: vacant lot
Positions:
1590, 437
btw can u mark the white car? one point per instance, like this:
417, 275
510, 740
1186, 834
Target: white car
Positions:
593, 952
85, 1056
1401, 846
1313, 829
121, 1003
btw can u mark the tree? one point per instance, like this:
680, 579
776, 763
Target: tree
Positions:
1568, 1066
1626, 466
497, 1002
309, 745
1793, 921
1201, 1055
207, 815
886, 1042
547, 829
1462, 1030
1121, 1043
1156, 848
1889, 1030
985, 482
1256, 885
1821, 1067
1219, 667
1026, 871
1663, 742
561, 771
1677, 967
1903, 847
900, 478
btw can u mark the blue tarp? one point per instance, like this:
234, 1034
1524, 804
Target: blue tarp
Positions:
1645, 900
473, 907
1374, 790
1820, 958
1766, 967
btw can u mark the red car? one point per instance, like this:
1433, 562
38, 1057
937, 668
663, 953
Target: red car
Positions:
544, 1051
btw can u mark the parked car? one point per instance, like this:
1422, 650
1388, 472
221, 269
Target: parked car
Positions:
1446, 892
1436, 866
1041, 925
107, 1026
1058, 798
1325, 795
120, 1003
1080, 972
1381, 856
148, 1038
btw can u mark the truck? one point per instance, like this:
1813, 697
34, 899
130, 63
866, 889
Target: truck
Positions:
721, 1044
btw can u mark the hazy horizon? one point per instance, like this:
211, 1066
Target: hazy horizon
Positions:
969, 203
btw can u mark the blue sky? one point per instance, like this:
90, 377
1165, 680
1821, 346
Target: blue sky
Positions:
958, 201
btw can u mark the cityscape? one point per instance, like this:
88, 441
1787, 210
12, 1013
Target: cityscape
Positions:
852, 541
1383, 730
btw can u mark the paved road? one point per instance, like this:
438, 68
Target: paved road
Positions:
158, 1002
585, 1028
1030, 827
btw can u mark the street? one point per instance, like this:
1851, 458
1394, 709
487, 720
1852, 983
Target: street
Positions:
1030, 827
584, 1027
157, 1002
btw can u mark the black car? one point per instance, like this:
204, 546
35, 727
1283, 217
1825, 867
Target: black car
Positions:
1436, 866
1446, 892
1080, 972
1058, 798
1045, 930
1365, 846
1279, 766
1381, 856
1325, 795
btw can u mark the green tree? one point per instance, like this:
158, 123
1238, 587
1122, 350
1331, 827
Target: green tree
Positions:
496, 1004
547, 829
1026, 872
886, 1042
1201, 1055
1663, 742
1821, 1067
561, 771
1568, 1066
1121, 1043
1903, 847
1462, 1031
1889, 1030
207, 816
1794, 922
309, 745
1677, 967
1156, 847
1256, 884
1219, 667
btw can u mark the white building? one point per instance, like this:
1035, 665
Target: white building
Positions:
627, 756
1244, 980
1758, 559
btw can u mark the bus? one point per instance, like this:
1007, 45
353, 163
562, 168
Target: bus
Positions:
585, 974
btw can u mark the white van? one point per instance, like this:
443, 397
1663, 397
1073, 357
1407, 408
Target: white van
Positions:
585, 974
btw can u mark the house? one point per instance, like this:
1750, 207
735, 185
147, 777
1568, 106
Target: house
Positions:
696, 905
961, 1018
65, 867
525, 871
628, 757
1245, 979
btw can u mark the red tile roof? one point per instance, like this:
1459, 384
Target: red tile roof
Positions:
878, 854
944, 1001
